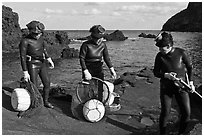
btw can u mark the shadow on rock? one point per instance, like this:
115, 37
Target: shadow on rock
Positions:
6, 98
62, 104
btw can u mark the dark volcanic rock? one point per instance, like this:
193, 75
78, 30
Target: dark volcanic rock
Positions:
188, 20
69, 53
11, 31
12, 34
147, 35
116, 36
62, 37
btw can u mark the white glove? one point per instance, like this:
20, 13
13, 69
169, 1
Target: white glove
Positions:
171, 76
87, 75
113, 73
51, 63
192, 86
26, 76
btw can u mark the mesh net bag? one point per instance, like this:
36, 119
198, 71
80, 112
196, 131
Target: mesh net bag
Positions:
86, 90
36, 100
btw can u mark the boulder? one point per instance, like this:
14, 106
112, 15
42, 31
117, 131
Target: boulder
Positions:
116, 36
62, 37
188, 20
147, 35
69, 53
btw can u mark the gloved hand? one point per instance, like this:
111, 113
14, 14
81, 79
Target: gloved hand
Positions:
26, 76
87, 75
113, 73
171, 76
192, 86
51, 63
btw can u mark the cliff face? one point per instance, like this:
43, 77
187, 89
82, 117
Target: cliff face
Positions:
188, 20
11, 31
12, 34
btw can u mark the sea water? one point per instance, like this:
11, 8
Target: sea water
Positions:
137, 52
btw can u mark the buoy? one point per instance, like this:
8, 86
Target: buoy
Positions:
105, 93
20, 99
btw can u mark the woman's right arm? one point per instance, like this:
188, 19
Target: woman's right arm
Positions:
157, 67
82, 56
23, 52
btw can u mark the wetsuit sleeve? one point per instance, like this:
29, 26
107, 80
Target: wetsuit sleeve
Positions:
157, 67
82, 56
45, 50
23, 52
106, 57
188, 64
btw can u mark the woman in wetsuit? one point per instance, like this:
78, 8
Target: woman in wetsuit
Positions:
33, 57
91, 54
170, 62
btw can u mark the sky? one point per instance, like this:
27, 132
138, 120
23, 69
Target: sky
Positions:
130, 15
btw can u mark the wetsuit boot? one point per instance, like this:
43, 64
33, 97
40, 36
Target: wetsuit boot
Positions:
45, 99
182, 128
162, 130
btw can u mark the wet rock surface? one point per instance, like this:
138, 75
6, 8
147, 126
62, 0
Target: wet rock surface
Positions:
139, 113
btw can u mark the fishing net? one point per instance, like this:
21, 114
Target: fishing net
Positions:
36, 100
86, 90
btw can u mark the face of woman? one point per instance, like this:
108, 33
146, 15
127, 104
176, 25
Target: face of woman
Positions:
99, 41
165, 50
35, 35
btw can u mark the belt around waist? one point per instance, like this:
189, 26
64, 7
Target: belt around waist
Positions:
29, 58
93, 60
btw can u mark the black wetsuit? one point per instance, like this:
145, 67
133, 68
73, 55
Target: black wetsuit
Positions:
33, 55
91, 56
175, 61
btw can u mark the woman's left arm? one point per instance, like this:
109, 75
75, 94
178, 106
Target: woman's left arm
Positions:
45, 50
188, 64
106, 57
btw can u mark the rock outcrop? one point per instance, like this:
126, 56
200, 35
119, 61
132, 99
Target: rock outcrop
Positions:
12, 34
188, 20
147, 35
117, 35
69, 53
11, 31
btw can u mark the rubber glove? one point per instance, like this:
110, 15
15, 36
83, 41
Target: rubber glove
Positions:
113, 73
51, 63
171, 76
87, 75
192, 86
26, 76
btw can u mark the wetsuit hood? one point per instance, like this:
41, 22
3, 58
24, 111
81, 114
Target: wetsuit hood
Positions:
36, 27
97, 31
164, 39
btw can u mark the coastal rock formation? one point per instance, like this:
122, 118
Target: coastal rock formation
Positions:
116, 36
12, 34
11, 31
147, 35
188, 20
69, 53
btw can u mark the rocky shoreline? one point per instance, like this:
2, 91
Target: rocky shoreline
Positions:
139, 92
